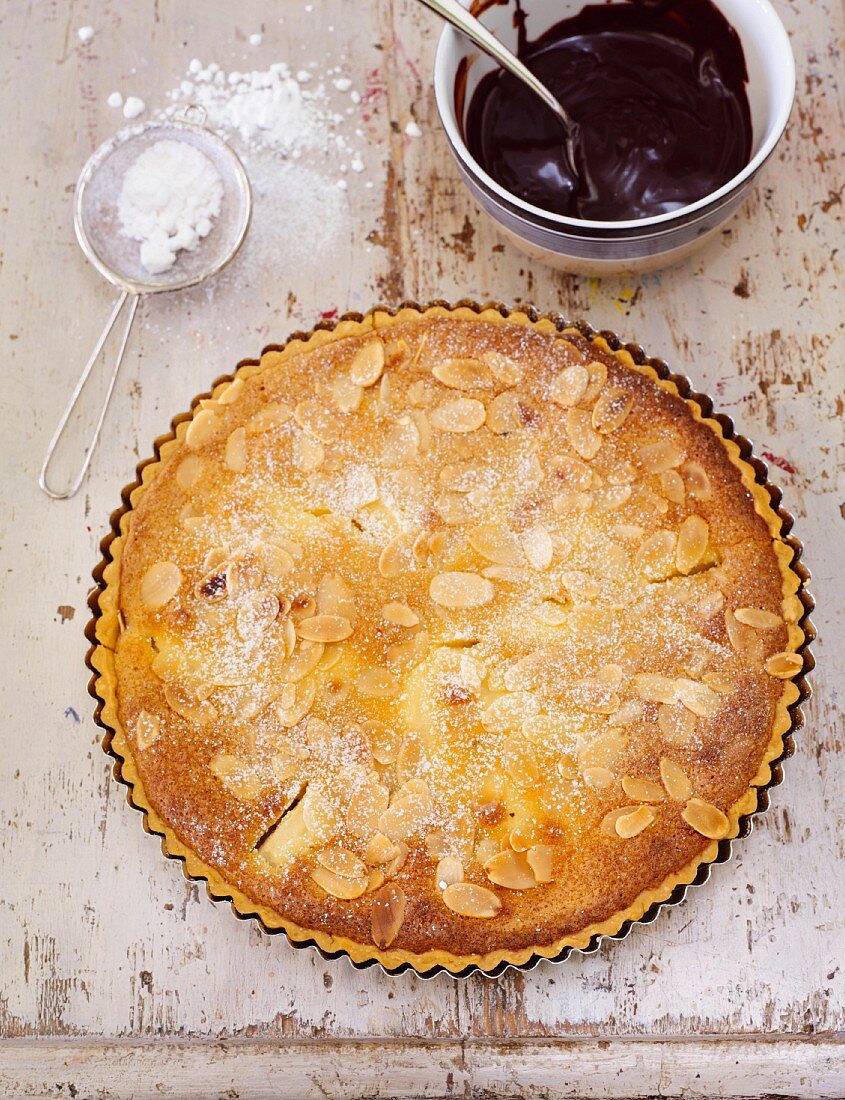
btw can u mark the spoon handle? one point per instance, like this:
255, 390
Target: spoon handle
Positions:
456, 14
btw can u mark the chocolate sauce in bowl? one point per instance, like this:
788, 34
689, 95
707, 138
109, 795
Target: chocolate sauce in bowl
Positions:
657, 91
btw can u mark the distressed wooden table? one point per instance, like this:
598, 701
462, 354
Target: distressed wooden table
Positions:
121, 979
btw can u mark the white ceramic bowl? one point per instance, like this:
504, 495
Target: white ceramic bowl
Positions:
597, 247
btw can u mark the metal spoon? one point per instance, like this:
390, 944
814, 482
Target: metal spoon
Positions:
453, 12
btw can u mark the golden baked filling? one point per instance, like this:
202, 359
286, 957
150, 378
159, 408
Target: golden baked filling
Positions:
448, 638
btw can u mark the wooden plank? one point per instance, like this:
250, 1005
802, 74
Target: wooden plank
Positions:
99, 936
584, 1069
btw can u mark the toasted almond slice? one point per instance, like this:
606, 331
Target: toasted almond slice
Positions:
302, 662
672, 486
335, 597
235, 453
598, 778
564, 503
341, 862
449, 871
393, 558
705, 819
346, 394
654, 688
630, 824
486, 848
377, 683
324, 628
469, 900
408, 758
232, 772
504, 414
403, 818
189, 705
783, 666
509, 711
659, 456
758, 618
675, 780
655, 554
231, 393
569, 386
381, 849
697, 481
642, 790
539, 859
384, 741
457, 590
273, 415
368, 802
160, 584
368, 363
550, 613
147, 729
308, 454
377, 876
496, 543
594, 697
698, 697
597, 377
201, 428
399, 614
511, 870
612, 409
505, 370
461, 374
745, 640
693, 537
189, 471
678, 725
585, 440
607, 826
538, 547
387, 915
612, 498
458, 415
344, 889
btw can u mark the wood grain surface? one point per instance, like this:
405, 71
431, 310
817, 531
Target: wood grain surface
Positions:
101, 939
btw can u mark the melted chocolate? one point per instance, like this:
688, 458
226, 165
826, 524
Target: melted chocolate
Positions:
657, 94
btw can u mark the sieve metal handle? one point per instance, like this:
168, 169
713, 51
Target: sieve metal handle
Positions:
64, 494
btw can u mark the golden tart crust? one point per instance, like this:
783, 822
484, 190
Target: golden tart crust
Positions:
447, 638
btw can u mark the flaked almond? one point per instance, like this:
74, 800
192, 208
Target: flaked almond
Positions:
302, 662
598, 778
457, 590
783, 666
399, 614
377, 683
381, 849
678, 725
538, 547
697, 482
654, 558
461, 374
189, 471
377, 876
594, 697
612, 498
341, 862
387, 915
367, 363
233, 773
745, 640
607, 826
521, 761
393, 558
572, 472
345, 889
403, 818
585, 440
642, 790
612, 410
318, 420
324, 628
230, 394
160, 584
504, 414
511, 870
551, 613
201, 428
568, 387
698, 697
705, 819
655, 688
672, 486
408, 758
384, 741
346, 394
189, 705
454, 508
335, 597
659, 456
449, 871
693, 537
464, 477
319, 816
631, 824
539, 859
675, 780
271, 416
458, 415
596, 378
308, 454
758, 618
277, 562
496, 543
469, 900
572, 501
235, 453
509, 711
147, 729
505, 370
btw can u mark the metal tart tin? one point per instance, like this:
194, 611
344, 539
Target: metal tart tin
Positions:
686, 390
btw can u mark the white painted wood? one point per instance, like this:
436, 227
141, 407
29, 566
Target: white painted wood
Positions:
101, 937
584, 1069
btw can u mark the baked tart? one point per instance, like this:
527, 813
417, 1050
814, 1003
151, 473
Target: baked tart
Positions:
449, 638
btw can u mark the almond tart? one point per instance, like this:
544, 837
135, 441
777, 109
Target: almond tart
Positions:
449, 638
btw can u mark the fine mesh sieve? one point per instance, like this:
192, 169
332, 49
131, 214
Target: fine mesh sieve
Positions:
117, 257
